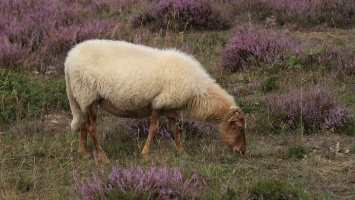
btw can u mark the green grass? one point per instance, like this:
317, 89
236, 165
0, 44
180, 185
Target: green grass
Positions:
275, 189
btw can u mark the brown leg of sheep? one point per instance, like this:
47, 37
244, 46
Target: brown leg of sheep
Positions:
83, 137
92, 112
174, 127
153, 127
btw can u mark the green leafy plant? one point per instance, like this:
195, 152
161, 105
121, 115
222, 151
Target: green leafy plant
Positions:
293, 61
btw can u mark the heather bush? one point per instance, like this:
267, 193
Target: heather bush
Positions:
135, 182
253, 47
183, 14
239, 90
338, 13
333, 58
33, 31
312, 109
11, 53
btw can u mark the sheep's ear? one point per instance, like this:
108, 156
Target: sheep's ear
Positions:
234, 116
238, 112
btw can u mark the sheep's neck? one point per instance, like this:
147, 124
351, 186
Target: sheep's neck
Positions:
210, 107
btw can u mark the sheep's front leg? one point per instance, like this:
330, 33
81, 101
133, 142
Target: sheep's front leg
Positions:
174, 127
92, 112
153, 127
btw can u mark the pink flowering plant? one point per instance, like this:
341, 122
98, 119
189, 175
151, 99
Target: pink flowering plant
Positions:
312, 109
134, 182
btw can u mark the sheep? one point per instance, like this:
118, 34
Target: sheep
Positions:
137, 81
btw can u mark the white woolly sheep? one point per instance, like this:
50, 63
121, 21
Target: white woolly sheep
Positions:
136, 81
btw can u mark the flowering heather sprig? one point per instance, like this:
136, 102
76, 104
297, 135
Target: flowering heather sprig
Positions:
11, 53
341, 60
154, 182
184, 14
252, 47
315, 108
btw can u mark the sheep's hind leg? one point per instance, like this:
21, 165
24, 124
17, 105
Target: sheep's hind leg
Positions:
174, 127
153, 127
92, 112
83, 137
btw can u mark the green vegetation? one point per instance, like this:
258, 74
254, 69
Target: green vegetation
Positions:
296, 151
274, 189
26, 95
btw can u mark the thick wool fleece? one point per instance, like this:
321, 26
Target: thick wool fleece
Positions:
133, 76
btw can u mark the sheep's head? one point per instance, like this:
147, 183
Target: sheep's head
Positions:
232, 130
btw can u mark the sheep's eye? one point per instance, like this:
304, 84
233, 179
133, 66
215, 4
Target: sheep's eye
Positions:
241, 129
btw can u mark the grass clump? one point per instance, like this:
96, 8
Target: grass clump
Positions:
270, 84
274, 189
296, 151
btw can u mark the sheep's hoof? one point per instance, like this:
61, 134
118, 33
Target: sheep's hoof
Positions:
103, 158
85, 154
182, 154
145, 157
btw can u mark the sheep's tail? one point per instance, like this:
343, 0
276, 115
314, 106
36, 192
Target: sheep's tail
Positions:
74, 105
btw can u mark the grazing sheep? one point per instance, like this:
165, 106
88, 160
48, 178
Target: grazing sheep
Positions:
135, 81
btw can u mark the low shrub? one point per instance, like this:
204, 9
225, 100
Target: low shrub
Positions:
252, 48
255, 48
32, 31
312, 109
239, 90
333, 59
135, 182
339, 13
184, 14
